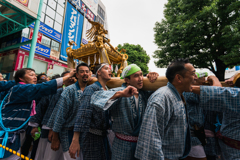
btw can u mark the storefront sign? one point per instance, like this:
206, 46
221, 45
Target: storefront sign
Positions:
72, 30
43, 59
39, 38
48, 31
19, 61
88, 12
54, 55
24, 2
92, 5
40, 49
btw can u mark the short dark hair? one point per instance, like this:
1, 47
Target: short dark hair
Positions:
176, 67
96, 68
81, 64
20, 74
41, 81
128, 77
63, 74
39, 76
237, 83
56, 76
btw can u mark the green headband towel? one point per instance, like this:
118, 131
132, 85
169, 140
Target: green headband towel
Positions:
129, 70
201, 74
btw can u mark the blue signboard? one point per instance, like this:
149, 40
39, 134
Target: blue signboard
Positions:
40, 49
73, 26
48, 31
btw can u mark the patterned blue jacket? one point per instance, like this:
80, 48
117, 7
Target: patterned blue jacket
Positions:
195, 114
226, 100
17, 106
165, 131
65, 112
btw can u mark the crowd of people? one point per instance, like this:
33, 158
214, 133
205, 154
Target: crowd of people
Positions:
65, 118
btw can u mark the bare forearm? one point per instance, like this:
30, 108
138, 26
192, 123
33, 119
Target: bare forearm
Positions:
116, 95
76, 136
196, 89
55, 135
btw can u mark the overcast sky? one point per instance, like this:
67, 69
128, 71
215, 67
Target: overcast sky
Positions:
132, 21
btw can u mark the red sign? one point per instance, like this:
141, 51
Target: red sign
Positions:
39, 39
24, 2
89, 13
19, 61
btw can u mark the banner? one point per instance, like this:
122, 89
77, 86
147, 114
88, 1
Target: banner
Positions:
48, 31
72, 30
86, 26
40, 49
80, 6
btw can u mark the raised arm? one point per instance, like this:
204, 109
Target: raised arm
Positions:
5, 86
104, 100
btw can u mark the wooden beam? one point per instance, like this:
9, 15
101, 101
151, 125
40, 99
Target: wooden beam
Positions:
147, 85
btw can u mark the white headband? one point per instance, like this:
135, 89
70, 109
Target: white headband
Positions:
104, 64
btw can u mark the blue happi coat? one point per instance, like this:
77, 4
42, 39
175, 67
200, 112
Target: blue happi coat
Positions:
64, 114
164, 132
126, 116
17, 107
226, 100
5, 86
195, 114
94, 147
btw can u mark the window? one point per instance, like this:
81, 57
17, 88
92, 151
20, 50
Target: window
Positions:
101, 12
49, 21
60, 10
50, 12
38, 66
98, 19
25, 32
57, 27
55, 45
58, 69
42, 17
43, 8
6, 63
59, 18
61, 2
46, 41
52, 4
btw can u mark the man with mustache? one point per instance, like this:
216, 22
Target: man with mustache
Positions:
126, 112
65, 112
91, 125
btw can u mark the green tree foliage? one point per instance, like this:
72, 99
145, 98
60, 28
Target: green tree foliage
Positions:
205, 31
137, 55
